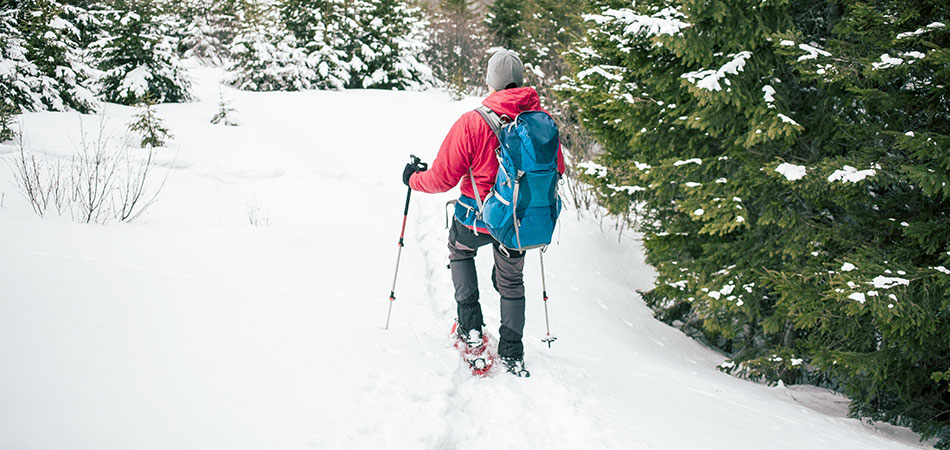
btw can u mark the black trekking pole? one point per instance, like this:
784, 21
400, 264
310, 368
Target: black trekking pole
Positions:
402, 233
544, 289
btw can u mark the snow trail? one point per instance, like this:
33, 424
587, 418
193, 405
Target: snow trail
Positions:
193, 329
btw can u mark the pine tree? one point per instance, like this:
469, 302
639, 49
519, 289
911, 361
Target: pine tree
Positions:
149, 126
207, 29
18, 75
7, 111
265, 55
45, 33
138, 57
330, 44
787, 161
223, 116
389, 46
318, 26
504, 21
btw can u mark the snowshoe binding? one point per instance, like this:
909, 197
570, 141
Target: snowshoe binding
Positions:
515, 366
473, 347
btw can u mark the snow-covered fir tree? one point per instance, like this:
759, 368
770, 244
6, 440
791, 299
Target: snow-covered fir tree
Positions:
46, 59
331, 44
7, 114
387, 50
320, 26
148, 126
206, 29
224, 116
265, 55
17, 74
137, 55
788, 161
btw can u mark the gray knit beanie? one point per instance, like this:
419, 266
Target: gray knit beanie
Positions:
504, 68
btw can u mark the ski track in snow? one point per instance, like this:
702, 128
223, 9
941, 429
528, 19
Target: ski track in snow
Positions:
193, 329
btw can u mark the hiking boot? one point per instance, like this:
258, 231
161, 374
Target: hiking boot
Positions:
472, 338
515, 366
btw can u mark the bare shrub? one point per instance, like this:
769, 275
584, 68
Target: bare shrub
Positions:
93, 174
255, 215
100, 182
133, 196
28, 176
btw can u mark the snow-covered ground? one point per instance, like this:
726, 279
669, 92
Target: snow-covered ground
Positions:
193, 329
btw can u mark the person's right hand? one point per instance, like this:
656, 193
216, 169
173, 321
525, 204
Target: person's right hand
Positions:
412, 168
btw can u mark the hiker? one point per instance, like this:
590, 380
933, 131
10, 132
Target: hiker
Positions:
468, 152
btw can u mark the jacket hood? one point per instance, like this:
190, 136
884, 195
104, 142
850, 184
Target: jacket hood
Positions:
510, 102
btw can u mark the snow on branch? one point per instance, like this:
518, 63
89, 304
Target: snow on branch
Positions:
813, 52
135, 83
593, 169
666, 21
628, 189
709, 79
768, 92
792, 172
920, 31
851, 174
888, 61
882, 282
696, 161
787, 119
602, 71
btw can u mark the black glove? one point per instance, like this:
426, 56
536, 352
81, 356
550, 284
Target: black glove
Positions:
411, 169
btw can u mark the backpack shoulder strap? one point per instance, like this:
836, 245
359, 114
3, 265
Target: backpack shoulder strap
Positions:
494, 122
491, 118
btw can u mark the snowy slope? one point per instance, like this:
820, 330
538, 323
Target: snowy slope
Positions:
192, 329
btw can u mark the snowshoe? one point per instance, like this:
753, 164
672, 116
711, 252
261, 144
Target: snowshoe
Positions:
473, 347
515, 366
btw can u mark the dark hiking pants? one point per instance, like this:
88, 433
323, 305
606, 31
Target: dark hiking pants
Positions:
507, 278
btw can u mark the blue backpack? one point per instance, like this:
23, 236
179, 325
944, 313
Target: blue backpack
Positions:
522, 208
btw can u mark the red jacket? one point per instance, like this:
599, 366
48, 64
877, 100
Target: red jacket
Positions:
471, 143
